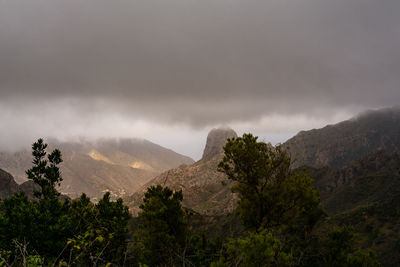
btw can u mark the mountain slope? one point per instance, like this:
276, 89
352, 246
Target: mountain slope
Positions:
366, 195
7, 184
201, 183
336, 145
374, 178
119, 166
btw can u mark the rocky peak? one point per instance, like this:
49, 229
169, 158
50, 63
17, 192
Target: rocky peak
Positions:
216, 140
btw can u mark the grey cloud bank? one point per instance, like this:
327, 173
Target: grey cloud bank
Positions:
187, 65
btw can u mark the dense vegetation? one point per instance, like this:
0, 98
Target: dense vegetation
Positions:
279, 221
366, 195
52, 230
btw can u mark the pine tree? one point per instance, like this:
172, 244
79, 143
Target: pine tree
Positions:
45, 173
270, 194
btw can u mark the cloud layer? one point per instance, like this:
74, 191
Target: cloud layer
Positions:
196, 63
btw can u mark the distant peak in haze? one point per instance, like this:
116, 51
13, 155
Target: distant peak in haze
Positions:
216, 140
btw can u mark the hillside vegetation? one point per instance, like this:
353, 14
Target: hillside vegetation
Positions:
278, 210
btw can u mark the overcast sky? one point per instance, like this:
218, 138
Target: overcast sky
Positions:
170, 70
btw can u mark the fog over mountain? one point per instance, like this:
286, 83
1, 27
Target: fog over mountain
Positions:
169, 71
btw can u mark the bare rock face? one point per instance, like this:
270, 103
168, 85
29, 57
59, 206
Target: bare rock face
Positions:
7, 184
216, 140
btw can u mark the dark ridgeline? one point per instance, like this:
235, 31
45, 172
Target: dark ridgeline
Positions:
336, 145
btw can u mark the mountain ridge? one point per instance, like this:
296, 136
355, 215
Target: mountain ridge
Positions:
118, 166
336, 145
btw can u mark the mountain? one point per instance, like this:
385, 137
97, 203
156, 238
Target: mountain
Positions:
366, 195
216, 140
8, 186
337, 145
356, 166
373, 178
205, 190
119, 166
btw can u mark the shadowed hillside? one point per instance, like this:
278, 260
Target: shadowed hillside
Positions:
336, 145
8, 186
366, 195
373, 178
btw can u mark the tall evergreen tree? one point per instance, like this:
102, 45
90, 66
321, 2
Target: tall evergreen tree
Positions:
270, 193
45, 172
162, 231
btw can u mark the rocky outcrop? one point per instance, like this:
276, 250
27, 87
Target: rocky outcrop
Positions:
204, 188
336, 145
216, 140
7, 184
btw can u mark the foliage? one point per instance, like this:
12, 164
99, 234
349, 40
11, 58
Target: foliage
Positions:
337, 248
278, 207
99, 231
163, 236
74, 232
270, 193
283, 208
254, 249
162, 232
4, 257
366, 195
22, 256
45, 173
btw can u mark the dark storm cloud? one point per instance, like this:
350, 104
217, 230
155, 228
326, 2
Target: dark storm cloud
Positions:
253, 57
201, 62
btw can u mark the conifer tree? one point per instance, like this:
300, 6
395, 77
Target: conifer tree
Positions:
270, 194
162, 231
45, 172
